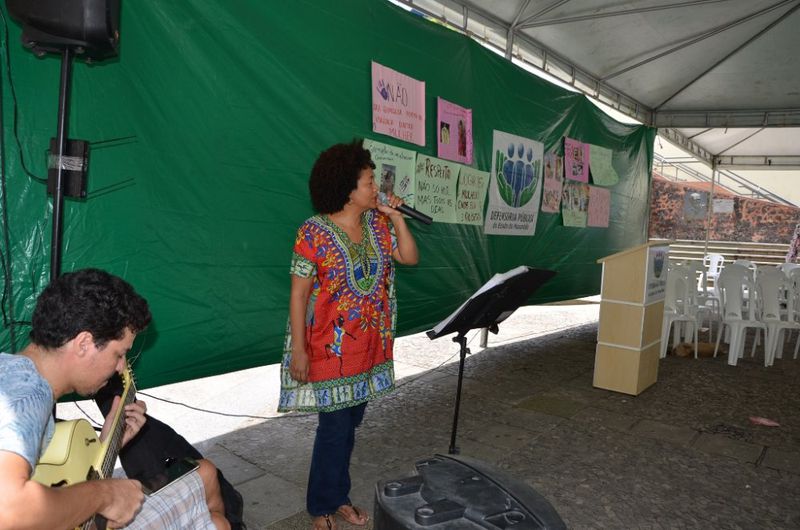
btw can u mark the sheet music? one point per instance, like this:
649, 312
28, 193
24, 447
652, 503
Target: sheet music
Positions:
493, 281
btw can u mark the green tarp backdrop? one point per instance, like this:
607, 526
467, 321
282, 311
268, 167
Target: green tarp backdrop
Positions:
204, 131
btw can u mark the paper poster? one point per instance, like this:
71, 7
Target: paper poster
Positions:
601, 167
437, 180
398, 105
599, 207
575, 203
472, 186
394, 169
695, 205
576, 160
515, 185
656, 277
553, 183
454, 132
723, 206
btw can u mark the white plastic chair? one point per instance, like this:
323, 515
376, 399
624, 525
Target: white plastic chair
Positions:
678, 302
733, 281
700, 273
773, 290
713, 263
753, 271
794, 278
794, 281
749, 265
788, 267
706, 305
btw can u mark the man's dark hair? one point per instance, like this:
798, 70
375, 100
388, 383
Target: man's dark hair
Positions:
87, 300
335, 175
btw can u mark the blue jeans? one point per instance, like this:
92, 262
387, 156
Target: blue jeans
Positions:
329, 477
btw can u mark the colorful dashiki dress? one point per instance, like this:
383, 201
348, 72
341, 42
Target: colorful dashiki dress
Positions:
350, 317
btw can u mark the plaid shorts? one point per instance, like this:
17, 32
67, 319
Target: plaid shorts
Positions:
181, 505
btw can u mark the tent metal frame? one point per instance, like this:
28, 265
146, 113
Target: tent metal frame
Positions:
521, 47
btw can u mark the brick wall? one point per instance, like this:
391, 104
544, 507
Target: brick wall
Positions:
751, 220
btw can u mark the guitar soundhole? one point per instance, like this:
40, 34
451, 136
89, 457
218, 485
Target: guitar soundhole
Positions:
58, 484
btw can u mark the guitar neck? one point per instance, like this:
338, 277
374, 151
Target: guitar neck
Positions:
113, 442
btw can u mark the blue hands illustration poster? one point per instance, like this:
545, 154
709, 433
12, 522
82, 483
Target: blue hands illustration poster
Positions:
515, 185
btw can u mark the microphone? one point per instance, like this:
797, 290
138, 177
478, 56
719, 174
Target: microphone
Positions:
407, 210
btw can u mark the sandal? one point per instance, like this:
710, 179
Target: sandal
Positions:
353, 515
324, 522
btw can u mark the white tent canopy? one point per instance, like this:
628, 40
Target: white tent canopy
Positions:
720, 78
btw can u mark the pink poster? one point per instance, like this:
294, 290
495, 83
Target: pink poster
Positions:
599, 206
398, 105
454, 132
576, 160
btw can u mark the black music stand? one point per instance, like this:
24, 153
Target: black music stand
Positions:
490, 305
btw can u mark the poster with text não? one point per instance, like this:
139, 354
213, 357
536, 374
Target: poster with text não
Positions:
398, 105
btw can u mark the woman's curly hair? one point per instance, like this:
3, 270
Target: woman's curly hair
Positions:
335, 174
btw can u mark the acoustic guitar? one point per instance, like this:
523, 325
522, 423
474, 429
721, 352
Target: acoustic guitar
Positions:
76, 454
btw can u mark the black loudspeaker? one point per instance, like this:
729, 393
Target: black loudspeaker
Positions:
90, 28
459, 493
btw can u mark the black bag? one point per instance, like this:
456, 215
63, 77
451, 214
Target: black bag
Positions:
146, 456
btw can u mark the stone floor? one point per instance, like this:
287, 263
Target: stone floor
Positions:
683, 454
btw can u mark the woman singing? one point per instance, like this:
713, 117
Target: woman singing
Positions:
338, 350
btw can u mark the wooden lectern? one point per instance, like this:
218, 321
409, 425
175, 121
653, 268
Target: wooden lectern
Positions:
631, 310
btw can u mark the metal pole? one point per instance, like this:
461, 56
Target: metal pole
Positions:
709, 215
461, 339
61, 141
710, 208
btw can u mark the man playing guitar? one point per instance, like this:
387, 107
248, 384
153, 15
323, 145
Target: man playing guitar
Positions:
82, 327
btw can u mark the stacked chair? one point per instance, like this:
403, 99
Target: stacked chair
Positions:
746, 263
794, 280
680, 304
776, 298
706, 304
736, 287
713, 265
787, 268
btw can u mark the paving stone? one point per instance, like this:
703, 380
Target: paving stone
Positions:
502, 436
235, 468
552, 405
664, 432
606, 418
782, 460
269, 498
530, 420
722, 445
